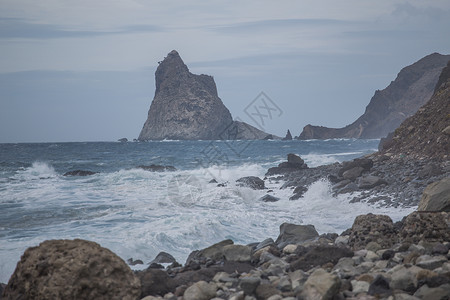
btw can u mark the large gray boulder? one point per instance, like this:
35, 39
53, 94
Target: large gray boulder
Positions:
295, 234
436, 196
72, 269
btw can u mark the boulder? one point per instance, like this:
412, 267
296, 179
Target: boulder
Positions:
269, 198
200, 291
293, 234
429, 170
214, 252
372, 228
436, 197
365, 163
320, 255
294, 163
238, 253
123, 140
321, 285
253, 182
299, 191
155, 282
425, 226
79, 173
369, 182
72, 269
163, 258
353, 173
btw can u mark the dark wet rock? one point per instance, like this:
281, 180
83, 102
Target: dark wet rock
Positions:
388, 254
436, 197
265, 243
157, 168
269, 198
71, 269
353, 173
364, 163
133, 262
214, 252
370, 181
123, 140
380, 287
372, 228
294, 163
320, 255
212, 181
79, 173
253, 182
294, 234
163, 258
249, 284
155, 282
299, 191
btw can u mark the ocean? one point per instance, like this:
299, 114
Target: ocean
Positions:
137, 213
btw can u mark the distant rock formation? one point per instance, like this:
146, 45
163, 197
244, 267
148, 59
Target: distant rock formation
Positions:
427, 133
288, 136
412, 88
187, 107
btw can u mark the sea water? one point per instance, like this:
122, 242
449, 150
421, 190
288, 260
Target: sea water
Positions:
137, 213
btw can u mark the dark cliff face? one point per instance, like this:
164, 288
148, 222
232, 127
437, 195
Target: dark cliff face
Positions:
426, 133
186, 106
412, 88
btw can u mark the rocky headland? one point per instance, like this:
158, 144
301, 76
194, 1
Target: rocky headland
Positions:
388, 108
186, 106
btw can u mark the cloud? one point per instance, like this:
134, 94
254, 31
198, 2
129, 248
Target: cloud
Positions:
19, 28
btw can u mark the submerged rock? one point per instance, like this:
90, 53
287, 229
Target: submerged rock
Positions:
79, 173
157, 168
253, 182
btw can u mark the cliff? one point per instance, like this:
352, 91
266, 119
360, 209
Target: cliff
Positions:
412, 88
427, 133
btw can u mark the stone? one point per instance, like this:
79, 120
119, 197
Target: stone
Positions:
290, 249
163, 258
388, 254
249, 284
403, 278
359, 287
320, 255
294, 234
214, 252
79, 173
200, 291
266, 290
71, 269
379, 287
294, 163
429, 170
430, 262
372, 228
353, 173
299, 191
123, 140
265, 243
268, 198
157, 168
426, 226
253, 182
441, 292
321, 285
370, 181
155, 282
373, 246
295, 160
238, 253
436, 197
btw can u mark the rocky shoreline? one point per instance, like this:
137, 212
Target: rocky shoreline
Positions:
375, 259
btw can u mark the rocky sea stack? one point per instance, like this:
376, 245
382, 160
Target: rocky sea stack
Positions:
186, 106
388, 108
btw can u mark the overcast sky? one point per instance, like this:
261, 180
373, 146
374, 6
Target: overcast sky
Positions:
84, 70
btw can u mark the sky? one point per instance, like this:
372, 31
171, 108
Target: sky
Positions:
84, 70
